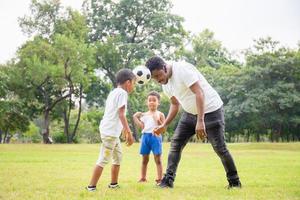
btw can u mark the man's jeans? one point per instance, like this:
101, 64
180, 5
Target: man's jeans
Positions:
215, 127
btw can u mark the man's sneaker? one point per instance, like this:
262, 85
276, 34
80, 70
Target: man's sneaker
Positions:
166, 182
91, 188
235, 184
114, 186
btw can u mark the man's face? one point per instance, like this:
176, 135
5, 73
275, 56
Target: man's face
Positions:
160, 76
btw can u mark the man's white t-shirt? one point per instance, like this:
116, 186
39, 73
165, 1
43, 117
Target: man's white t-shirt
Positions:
183, 76
110, 124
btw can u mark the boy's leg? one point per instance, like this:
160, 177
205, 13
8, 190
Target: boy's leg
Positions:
145, 150
144, 168
105, 155
96, 175
115, 173
116, 161
215, 128
156, 147
157, 159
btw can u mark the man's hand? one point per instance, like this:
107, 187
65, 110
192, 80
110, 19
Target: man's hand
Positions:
159, 130
200, 130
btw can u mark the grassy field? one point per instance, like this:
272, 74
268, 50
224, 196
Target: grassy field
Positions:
60, 172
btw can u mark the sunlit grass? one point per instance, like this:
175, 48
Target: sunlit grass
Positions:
267, 171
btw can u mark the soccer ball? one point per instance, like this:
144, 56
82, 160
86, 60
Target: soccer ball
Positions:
142, 74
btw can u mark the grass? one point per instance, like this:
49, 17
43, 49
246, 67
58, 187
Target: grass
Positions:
60, 172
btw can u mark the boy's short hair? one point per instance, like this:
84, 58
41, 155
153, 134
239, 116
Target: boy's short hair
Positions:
154, 93
124, 75
155, 63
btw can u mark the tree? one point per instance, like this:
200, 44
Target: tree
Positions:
53, 66
207, 51
126, 33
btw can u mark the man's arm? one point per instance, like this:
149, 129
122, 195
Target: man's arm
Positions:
174, 107
200, 127
173, 110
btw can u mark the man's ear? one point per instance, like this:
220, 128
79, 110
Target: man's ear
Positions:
165, 68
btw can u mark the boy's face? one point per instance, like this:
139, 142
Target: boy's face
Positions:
160, 75
130, 85
152, 102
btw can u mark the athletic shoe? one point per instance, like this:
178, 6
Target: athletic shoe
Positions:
166, 182
91, 188
114, 186
234, 185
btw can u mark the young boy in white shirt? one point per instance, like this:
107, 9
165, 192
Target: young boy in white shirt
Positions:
147, 121
111, 126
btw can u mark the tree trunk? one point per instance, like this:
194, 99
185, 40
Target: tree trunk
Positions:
66, 122
0, 136
78, 115
45, 131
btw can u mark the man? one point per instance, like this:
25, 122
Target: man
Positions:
202, 114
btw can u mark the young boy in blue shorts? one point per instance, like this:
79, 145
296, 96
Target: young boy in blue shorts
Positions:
147, 121
111, 126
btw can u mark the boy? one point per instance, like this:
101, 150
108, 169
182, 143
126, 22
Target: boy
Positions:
111, 125
147, 122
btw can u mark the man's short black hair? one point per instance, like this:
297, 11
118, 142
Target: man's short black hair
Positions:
124, 75
154, 93
155, 63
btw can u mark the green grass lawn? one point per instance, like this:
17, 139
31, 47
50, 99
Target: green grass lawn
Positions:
267, 171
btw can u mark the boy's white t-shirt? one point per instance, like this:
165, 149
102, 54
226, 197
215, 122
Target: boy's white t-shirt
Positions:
183, 76
110, 124
149, 123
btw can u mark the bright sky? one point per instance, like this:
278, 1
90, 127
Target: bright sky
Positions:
235, 22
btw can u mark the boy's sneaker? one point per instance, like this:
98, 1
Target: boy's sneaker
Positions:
234, 185
91, 188
166, 182
114, 186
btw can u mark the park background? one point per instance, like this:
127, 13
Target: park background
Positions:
53, 90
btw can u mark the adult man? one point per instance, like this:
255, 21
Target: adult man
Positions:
202, 114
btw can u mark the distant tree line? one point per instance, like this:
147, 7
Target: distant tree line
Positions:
54, 89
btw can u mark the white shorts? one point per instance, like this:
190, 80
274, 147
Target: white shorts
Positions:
110, 149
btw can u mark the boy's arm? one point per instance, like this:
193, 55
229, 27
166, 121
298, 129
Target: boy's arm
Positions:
137, 120
159, 118
128, 133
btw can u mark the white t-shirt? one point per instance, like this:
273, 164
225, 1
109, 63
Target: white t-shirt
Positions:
110, 124
149, 123
183, 76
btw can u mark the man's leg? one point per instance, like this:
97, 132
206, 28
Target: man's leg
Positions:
184, 131
215, 128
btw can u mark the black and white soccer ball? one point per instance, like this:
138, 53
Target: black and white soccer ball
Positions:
143, 74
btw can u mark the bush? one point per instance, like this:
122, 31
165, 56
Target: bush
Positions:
59, 137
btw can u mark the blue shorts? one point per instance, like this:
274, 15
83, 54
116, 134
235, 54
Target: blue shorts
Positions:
150, 142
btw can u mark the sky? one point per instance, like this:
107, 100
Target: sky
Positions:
236, 23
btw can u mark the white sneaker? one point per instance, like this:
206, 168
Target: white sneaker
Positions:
116, 186
90, 189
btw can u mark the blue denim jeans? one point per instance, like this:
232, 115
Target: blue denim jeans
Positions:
215, 127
